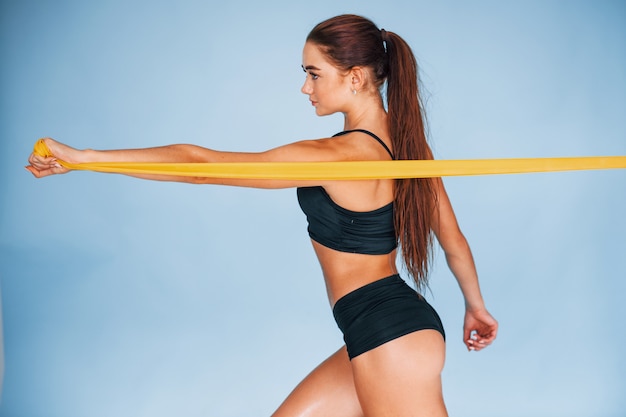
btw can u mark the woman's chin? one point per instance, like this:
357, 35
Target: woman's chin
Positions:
322, 112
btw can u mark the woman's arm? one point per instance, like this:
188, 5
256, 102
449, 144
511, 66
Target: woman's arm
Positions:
322, 150
480, 328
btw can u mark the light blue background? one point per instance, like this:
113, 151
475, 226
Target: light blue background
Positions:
123, 297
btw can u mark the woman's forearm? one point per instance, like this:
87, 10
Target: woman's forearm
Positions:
458, 253
461, 263
181, 153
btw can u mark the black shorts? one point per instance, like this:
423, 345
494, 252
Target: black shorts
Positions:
382, 311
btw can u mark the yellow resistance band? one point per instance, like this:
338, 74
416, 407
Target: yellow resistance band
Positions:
352, 170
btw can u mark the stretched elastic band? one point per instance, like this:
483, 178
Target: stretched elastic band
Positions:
353, 170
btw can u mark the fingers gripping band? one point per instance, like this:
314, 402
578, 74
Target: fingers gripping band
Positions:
352, 170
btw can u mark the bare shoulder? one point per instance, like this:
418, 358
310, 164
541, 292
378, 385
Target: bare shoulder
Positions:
363, 195
354, 146
371, 144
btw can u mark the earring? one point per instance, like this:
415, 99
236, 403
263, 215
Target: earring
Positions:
354, 92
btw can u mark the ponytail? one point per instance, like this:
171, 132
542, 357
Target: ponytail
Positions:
415, 198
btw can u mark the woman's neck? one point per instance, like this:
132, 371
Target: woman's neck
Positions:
371, 117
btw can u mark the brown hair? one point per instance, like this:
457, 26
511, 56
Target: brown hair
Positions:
351, 41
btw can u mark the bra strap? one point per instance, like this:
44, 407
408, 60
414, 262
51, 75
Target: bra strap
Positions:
367, 132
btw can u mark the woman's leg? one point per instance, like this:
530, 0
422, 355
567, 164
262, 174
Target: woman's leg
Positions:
327, 391
402, 378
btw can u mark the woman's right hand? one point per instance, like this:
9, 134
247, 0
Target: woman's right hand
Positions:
479, 329
41, 166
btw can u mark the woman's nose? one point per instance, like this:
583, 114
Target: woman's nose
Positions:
306, 87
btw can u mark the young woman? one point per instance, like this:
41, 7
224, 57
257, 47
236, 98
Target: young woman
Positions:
394, 354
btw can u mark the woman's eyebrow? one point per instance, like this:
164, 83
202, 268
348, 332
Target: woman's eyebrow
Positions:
309, 68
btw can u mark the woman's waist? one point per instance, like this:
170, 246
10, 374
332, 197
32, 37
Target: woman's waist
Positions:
340, 285
344, 272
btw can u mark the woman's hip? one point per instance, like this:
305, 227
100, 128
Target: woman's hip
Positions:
382, 311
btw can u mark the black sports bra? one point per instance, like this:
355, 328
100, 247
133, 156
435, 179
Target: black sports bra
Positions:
366, 232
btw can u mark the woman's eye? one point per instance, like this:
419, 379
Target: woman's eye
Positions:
312, 74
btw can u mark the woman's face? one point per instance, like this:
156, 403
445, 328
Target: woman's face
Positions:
328, 88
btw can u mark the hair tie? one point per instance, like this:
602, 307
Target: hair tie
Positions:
385, 38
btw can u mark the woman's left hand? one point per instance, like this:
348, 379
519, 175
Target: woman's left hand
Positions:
43, 166
479, 329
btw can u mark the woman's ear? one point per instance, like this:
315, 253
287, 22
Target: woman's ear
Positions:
358, 79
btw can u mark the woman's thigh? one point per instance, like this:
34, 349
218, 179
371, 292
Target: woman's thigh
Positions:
326, 392
402, 377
